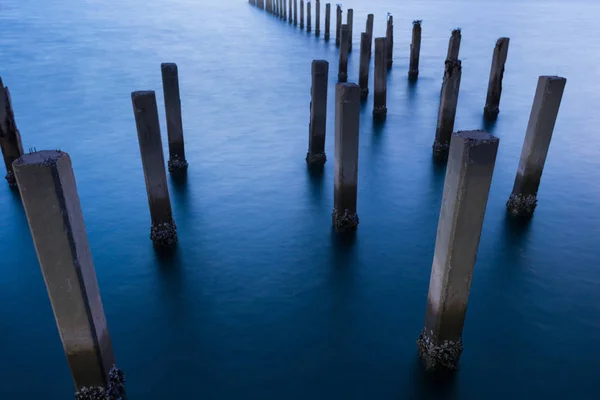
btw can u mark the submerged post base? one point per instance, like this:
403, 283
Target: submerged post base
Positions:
521, 206
364, 93
379, 112
316, 159
440, 150
342, 77
115, 390
327, 36
413, 74
10, 178
439, 356
344, 221
390, 63
491, 112
164, 235
177, 164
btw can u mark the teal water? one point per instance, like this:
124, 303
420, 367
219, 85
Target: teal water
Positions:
262, 300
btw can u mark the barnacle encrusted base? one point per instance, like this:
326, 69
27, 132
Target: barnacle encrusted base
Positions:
379, 112
440, 150
177, 164
491, 112
316, 159
164, 235
115, 390
443, 356
364, 93
342, 77
344, 221
413, 74
10, 178
520, 205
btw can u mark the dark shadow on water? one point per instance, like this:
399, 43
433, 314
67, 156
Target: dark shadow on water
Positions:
180, 189
316, 182
377, 127
411, 89
515, 229
488, 126
438, 385
438, 167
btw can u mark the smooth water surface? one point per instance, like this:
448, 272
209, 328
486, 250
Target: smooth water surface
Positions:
262, 300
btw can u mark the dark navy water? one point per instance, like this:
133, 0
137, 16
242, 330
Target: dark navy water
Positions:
262, 300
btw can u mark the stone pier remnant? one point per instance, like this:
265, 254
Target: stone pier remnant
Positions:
389, 37
163, 231
308, 17
343, 66
466, 188
380, 82
327, 20
349, 22
301, 14
290, 12
295, 12
170, 78
447, 109
363, 70
492, 101
347, 110
10, 137
49, 194
338, 24
415, 50
317, 18
454, 45
318, 114
548, 95
369, 31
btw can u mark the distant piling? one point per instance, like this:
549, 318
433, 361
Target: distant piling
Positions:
163, 231
492, 102
284, 8
295, 12
10, 137
347, 109
51, 202
349, 22
415, 50
369, 31
454, 45
363, 70
327, 20
380, 83
548, 95
389, 37
301, 14
447, 109
308, 17
338, 24
260, 4
343, 65
318, 114
466, 189
290, 12
317, 18
170, 79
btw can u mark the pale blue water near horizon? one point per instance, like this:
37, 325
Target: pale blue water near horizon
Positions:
262, 301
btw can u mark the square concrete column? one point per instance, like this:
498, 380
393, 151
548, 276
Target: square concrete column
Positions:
290, 12
318, 114
343, 66
295, 12
308, 17
389, 36
10, 137
317, 18
492, 102
338, 24
163, 231
466, 188
347, 111
349, 22
548, 95
301, 14
327, 20
49, 194
170, 78
380, 83
363, 70
415, 50
454, 45
447, 109
369, 31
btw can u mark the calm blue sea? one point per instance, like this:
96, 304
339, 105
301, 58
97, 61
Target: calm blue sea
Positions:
262, 300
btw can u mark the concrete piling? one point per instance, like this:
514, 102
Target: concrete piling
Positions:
318, 114
454, 45
492, 102
447, 109
317, 18
548, 95
10, 137
363, 70
343, 66
308, 17
349, 22
347, 109
163, 231
170, 79
301, 14
466, 188
49, 194
284, 8
260, 4
389, 36
290, 12
380, 82
295, 12
338, 24
415, 50
327, 20
369, 31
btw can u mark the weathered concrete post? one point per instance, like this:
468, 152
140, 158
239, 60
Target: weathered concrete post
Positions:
317, 18
363, 70
347, 110
284, 8
318, 114
338, 24
308, 17
163, 231
415, 50
389, 37
369, 31
10, 138
170, 79
327, 20
349, 22
290, 12
49, 194
492, 102
454, 45
380, 83
295, 12
548, 95
343, 66
301, 14
466, 188
447, 109
260, 4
